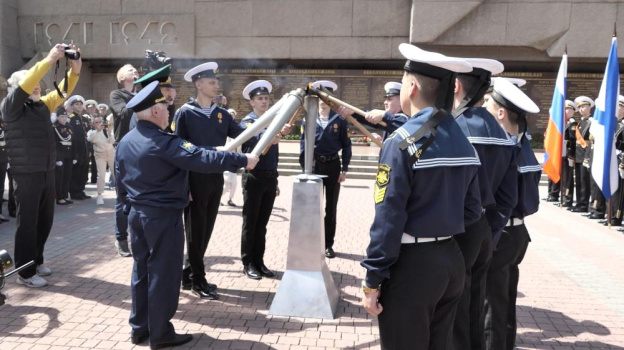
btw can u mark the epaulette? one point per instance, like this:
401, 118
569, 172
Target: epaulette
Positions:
166, 132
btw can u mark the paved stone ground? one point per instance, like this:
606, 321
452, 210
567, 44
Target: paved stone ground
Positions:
571, 288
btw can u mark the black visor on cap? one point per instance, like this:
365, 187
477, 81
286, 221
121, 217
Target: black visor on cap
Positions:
446, 91
393, 92
259, 91
205, 74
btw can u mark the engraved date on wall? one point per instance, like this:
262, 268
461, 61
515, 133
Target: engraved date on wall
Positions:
121, 33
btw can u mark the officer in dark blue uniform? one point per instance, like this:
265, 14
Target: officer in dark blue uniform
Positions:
259, 185
394, 117
567, 162
510, 105
498, 185
425, 193
332, 136
204, 123
582, 174
152, 171
163, 76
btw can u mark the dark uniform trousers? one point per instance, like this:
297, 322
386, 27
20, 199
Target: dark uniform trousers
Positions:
34, 194
582, 176
331, 185
157, 238
12, 204
259, 190
502, 288
567, 180
63, 177
121, 220
420, 300
554, 189
79, 177
199, 218
617, 204
598, 204
476, 247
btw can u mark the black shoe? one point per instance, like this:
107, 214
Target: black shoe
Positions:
77, 196
552, 199
187, 283
230, 203
252, 272
177, 339
613, 222
329, 253
265, 272
204, 291
138, 338
85, 196
68, 201
595, 216
3, 219
12, 214
578, 210
566, 205
61, 202
122, 248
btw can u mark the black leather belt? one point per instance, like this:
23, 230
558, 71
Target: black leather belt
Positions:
324, 159
264, 173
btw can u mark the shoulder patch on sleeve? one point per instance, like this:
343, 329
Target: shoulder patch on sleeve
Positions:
173, 125
187, 146
381, 182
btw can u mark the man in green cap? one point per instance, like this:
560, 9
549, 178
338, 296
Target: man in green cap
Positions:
162, 75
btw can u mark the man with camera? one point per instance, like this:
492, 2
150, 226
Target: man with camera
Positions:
126, 76
32, 151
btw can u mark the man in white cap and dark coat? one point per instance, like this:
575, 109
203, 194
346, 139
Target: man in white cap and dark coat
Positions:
509, 105
80, 123
426, 192
582, 174
260, 185
394, 117
567, 162
204, 123
331, 137
151, 168
498, 185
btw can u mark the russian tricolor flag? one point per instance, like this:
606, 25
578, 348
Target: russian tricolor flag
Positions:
553, 142
604, 166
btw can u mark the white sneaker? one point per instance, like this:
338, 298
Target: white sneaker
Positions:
43, 270
100, 200
33, 282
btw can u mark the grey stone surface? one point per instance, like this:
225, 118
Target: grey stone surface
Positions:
110, 36
341, 48
243, 47
524, 24
157, 6
432, 19
224, 19
485, 25
69, 7
10, 57
320, 18
381, 18
591, 28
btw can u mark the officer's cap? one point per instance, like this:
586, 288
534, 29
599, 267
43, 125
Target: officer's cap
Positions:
511, 97
256, 88
103, 105
88, 103
147, 97
584, 100
516, 81
75, 98
571, 104
329, 85
486, 64
204, 70
392, 88
621, 100
162, 75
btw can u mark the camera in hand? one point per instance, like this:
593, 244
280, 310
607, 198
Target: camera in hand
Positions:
71, 53
156, 60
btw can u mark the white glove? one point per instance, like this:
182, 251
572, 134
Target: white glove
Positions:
571, 162
59, 163
74, 161
586, 164
621, 171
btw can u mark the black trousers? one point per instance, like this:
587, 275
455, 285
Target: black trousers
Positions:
582, 176
93, 169
3, 173
63, 178
259, 193
567, 181
420, 299
332, 190
598, 203
34, 193
502, 289
554, 189
11, 204
199, 219
476, 247
157, 249
79, 177
617, 204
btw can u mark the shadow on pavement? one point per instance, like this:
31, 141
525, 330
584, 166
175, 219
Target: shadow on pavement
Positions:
19, 314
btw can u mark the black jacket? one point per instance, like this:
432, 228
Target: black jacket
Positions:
121, 115
64, 144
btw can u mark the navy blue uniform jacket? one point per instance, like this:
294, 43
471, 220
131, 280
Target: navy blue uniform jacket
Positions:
190, 123
498, 174
329, 141
267, 161
436, 197
151, 166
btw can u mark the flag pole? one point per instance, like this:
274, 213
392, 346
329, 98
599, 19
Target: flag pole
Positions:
609, 212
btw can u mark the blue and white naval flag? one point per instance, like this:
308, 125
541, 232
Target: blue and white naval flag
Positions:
604, 166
